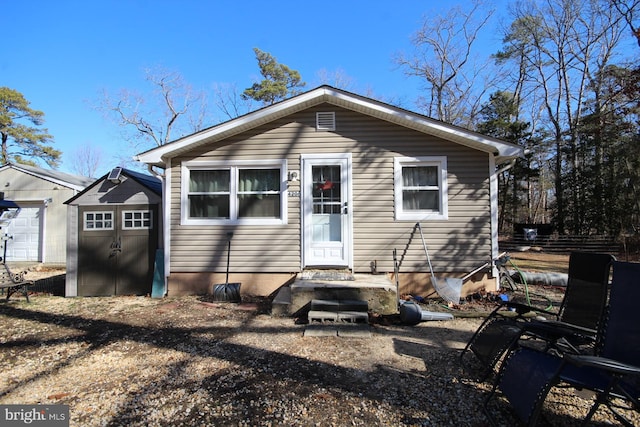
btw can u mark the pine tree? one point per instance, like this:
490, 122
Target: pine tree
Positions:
280, 82
23, 138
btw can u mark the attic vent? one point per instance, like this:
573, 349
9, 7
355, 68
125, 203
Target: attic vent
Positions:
326, 121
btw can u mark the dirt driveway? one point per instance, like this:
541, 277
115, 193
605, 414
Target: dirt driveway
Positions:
139, 361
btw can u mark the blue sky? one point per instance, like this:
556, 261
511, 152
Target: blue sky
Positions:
62, 54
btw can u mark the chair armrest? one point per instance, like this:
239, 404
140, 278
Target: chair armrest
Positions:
523, 308
558, 328
603, 363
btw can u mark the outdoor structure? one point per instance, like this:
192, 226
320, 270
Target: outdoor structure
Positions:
114, 232
328, 180
39, 232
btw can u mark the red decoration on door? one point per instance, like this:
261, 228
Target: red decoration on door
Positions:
328, 185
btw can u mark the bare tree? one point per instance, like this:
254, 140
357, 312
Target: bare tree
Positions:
627, 8
338, 78
87, 160
229, 101
443, 57
171, 109
559, 46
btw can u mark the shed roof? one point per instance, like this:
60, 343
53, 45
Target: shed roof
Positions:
503, 151
76, 182
151, 182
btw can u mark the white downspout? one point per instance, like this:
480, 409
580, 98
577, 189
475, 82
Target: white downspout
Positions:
493, 191
166, 237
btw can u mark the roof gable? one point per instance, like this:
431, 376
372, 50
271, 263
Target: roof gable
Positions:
150, 182
503, 151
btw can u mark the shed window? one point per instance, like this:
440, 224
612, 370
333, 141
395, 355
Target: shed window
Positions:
94, 221
234, 192
420, 188
136, 220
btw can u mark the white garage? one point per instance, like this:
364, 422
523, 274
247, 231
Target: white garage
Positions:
25, 233
39, 232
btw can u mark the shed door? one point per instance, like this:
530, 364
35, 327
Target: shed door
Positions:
116, 250
326, 211
25, 232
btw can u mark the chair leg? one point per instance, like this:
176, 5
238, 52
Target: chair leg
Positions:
602, 398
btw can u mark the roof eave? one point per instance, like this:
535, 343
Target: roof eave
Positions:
504, 151
158, 156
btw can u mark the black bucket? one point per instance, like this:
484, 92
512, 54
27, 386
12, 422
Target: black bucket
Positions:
226, 292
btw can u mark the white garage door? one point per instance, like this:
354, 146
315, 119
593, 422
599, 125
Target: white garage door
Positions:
25, 229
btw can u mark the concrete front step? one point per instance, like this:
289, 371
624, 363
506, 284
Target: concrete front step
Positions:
376, 290
338, 316
339, 305
351, 330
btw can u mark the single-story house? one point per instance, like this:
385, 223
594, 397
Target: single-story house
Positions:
114, 232
39, 231
328, 180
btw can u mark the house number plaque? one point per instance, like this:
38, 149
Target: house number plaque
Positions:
294, 194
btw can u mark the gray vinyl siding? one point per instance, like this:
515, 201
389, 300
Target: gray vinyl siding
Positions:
460, 243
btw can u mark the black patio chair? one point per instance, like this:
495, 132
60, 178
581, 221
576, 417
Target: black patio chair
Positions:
573, 327
527, 375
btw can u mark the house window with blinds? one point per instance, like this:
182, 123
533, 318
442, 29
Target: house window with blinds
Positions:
420, 188
238, 192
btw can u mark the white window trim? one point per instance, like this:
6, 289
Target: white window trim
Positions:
148, 227
438, 161
233, 165
84, 221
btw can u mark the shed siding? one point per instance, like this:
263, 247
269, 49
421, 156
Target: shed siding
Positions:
458, 244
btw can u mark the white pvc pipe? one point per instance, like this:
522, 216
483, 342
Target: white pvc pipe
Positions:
536, 278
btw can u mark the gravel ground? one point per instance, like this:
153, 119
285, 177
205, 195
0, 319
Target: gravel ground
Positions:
136, 361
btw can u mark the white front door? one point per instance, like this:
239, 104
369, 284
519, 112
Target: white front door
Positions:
326, 210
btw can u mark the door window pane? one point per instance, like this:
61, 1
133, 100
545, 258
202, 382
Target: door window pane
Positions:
327, 203
327, 197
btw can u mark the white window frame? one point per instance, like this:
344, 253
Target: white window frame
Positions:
420, 215
142, 227
233, 166
85, 220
